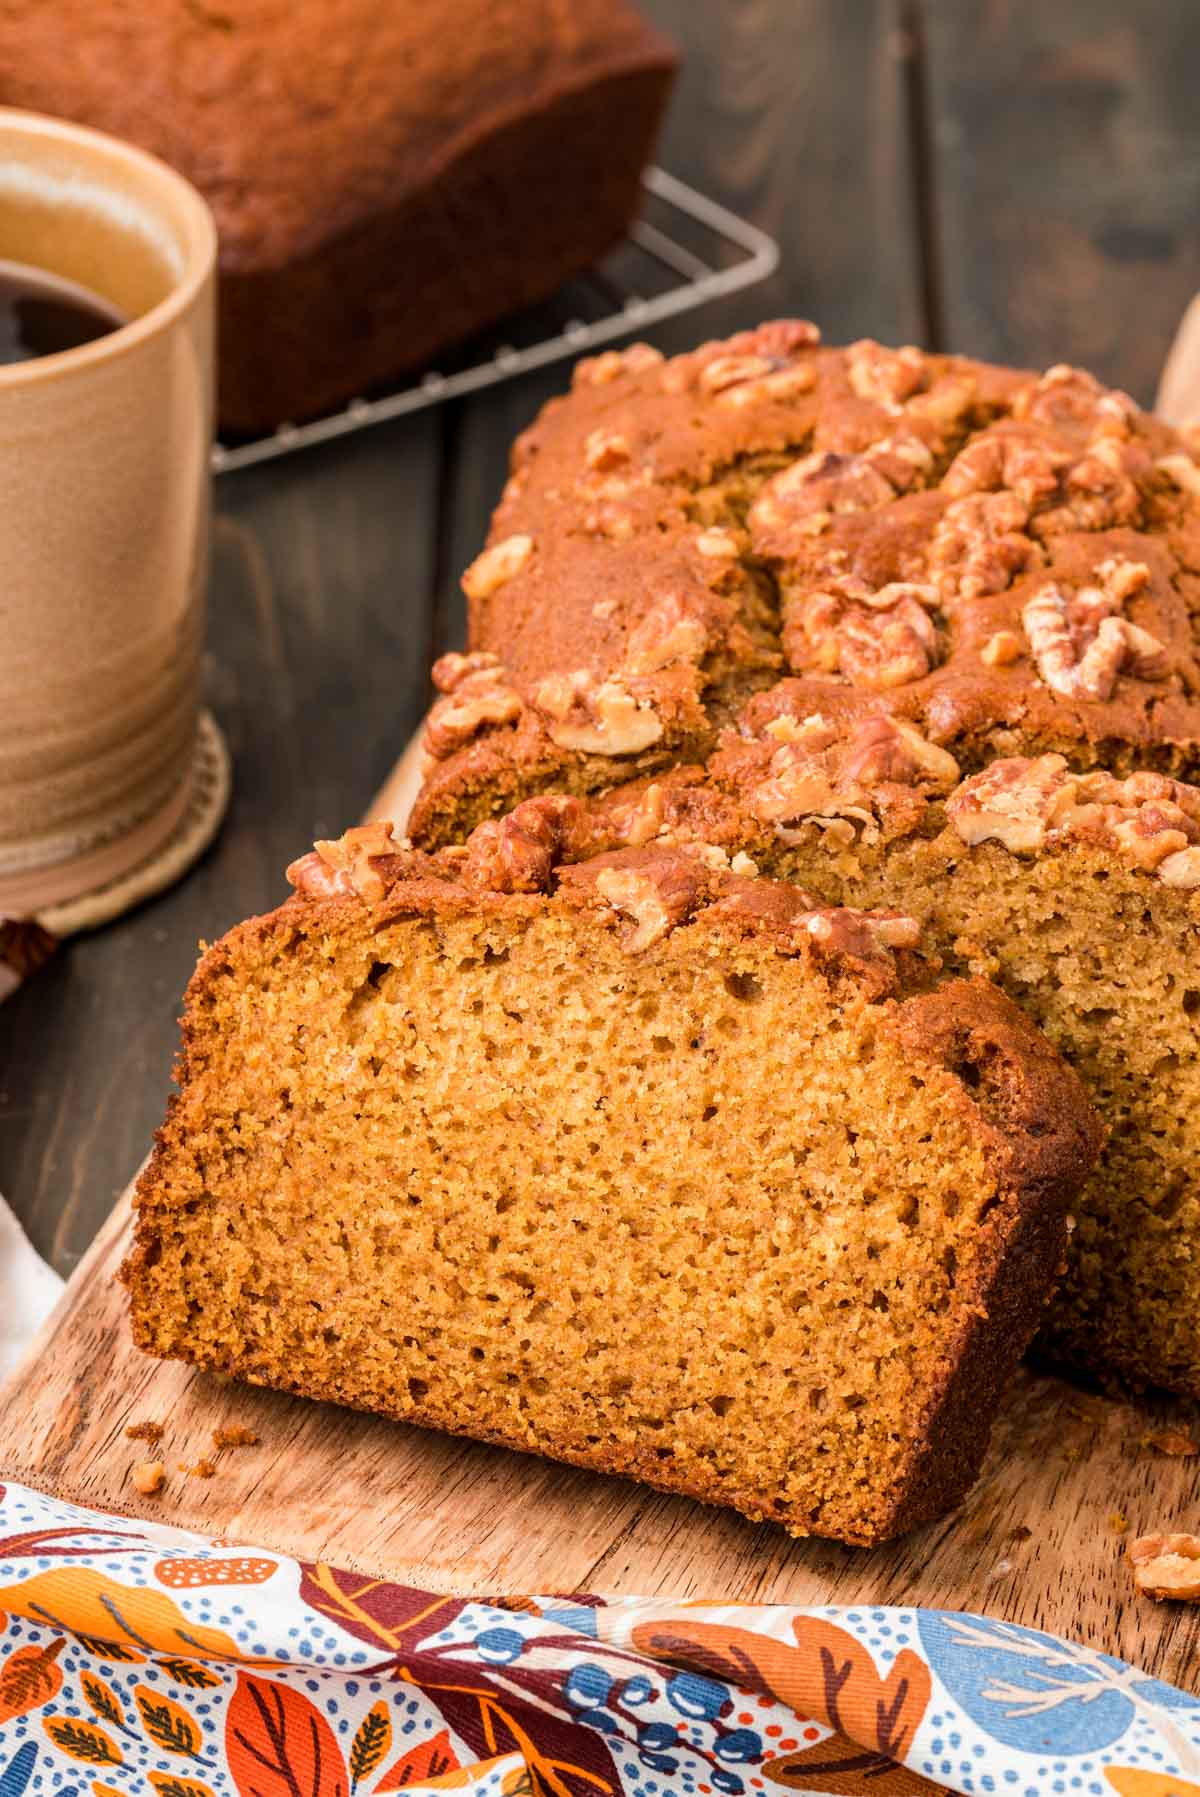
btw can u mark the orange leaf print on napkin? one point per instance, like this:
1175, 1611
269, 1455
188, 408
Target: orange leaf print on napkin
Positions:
95, 1607
1131, 1781
828, 1675
420, 1765
278, 1744
29, 1678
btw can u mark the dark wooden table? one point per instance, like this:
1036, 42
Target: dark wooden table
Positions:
1012, 178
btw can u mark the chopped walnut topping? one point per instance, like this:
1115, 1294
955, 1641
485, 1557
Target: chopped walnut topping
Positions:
884, 749
596, 717
1014, 802
980, 544
344, 868
882, 640
1148, 819
656, 897
1181, 869
888, 376
149, 1476
606, 449
668, 633
1062, 395
817, 775
717, 544
815, 488
743, 866
1082, 643
862, 932
1002, 648
1001, 462
781, 384
727, 371
475, 696
1183, 471
1166, 1566
518, 853
599, 371
496, 566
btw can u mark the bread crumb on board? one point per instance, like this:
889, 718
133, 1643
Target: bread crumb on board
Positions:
149, 1476
1166, 1566
204, 1468
145, 1431
234, 1435
1118, 1522
1176, 1442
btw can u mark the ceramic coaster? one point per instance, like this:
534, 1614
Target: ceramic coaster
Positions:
210, 784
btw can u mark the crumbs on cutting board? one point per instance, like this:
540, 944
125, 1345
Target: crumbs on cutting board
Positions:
146, 1431
149, 1476
1176, 1442
234, 1435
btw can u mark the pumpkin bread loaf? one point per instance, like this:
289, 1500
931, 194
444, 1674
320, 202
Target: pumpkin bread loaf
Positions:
1078, 893
1010, 562
386, 179
633, 1159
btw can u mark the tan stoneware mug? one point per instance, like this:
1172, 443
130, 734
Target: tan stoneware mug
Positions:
104, 505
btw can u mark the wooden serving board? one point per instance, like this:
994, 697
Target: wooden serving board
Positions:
1035, 1542
1038, 1541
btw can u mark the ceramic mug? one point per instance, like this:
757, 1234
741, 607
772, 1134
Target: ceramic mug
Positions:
104, 508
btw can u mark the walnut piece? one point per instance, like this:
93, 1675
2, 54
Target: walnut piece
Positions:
603, 450
344, 868
596, 717
656, 898
1082, 643
887, 376
820, 775
149, 1476
476, 696
1166, 1566
599, 371
1148, 819
1002, 648
889, 750
518, 853
1183, 471
863, 933
980, 544
668, 633
882, 640
496, 566
1014, 802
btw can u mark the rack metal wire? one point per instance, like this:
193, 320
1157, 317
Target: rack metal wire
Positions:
684, 251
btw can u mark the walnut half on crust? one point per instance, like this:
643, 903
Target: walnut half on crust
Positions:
1166, 1566
1148, 820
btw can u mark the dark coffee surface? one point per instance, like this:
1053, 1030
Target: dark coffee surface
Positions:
42, 314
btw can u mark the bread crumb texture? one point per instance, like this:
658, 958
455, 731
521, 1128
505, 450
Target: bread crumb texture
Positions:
751, 1209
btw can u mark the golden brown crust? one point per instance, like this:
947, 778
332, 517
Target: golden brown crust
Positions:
1008, 562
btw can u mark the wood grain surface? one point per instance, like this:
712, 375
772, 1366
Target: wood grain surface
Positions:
1036, 1543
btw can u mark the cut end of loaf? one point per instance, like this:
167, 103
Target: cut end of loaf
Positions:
751, 1215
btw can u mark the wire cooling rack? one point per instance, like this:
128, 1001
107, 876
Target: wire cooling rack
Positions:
684, 250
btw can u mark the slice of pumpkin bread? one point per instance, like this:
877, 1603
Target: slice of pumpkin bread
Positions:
639, 1162
1078, 893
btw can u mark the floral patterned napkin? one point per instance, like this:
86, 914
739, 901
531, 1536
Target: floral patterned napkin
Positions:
144, 1662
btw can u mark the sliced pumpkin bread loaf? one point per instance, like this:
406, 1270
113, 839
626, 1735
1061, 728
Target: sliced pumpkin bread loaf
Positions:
634, 1160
